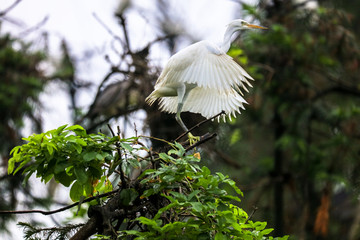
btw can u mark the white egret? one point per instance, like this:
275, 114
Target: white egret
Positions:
202, 78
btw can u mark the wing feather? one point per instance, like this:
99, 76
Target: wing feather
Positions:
202, 57
218, 78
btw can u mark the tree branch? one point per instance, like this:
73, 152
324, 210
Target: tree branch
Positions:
199, 124
34, 28
337, 89
5, 11
203, 139
59, 209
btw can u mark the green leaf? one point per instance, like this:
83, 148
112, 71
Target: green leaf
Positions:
148, 192
174, 227
192, 194
220, 236
179, 196
266, 231
60, 166
22, 164
87, 189
259, 225
127, 196
60, 129
197, 206
99, 157
174, 204
11, 166
15, 151
155, 224
79, 130
134, 163
168, 178
233, 185
46, 177
76, 191
235, 136
131, 232
164, 156
50, 149
126, 146
89, 156
81, 175
234, 52
64, 178
206, 172
78, 148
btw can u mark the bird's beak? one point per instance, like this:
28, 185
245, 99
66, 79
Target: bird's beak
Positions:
255, 26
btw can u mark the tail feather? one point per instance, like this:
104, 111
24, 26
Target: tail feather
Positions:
152, 98
207, 102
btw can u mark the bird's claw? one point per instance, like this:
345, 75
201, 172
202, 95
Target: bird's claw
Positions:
193, 139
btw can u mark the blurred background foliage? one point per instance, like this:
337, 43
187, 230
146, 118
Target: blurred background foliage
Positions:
294, 152
302, 128
21, 82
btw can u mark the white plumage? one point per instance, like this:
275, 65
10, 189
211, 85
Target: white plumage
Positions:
203, 79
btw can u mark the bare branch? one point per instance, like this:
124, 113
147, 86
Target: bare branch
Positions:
199, 124
341, 89
116, 37
4, 12
59, 209
34, 28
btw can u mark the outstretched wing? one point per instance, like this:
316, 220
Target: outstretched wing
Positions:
207, 102
217, 77
205, 65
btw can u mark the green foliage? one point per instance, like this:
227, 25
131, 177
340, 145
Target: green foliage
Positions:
35, 233
68, 155
179, 199
20, 78
200, 205
21, 82
302, 123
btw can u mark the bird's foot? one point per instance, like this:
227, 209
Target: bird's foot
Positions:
193, 139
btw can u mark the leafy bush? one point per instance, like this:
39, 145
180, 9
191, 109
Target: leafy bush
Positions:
173, 199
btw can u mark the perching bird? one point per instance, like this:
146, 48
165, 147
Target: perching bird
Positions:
202, 78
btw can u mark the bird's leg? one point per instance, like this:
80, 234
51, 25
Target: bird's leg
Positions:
179, 120
192, 139
183, 93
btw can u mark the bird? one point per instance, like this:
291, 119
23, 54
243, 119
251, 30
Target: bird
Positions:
202, 78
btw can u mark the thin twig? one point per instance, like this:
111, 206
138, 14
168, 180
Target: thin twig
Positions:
252, 213
118, 148
155, 138
199, 124
34, 28
126, 36
135, 130
112, 132
108, 29
107, 166
5, 11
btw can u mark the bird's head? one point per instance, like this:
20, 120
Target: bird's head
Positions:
240, 24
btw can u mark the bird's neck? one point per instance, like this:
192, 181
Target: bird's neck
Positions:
225, 46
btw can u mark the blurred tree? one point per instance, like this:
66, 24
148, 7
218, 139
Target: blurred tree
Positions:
302, 129
132, 76
21, 82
